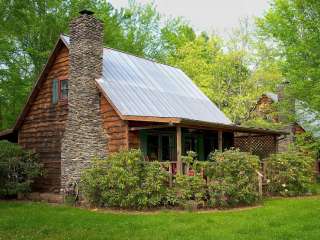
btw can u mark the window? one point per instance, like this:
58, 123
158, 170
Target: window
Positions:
168, 149
193, 142
153, 147
210, 143
165, 151
59, 90
64, 89
159, 147
190, 143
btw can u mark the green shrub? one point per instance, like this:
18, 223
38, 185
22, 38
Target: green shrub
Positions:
18, 169
154, 184
125, 180
289, 173
232, 178
190, 189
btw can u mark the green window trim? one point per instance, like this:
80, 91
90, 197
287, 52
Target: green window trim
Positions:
199, 148
171, 141
55, 91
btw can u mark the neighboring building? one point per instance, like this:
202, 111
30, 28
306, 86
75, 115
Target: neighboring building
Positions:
266, 109
92, 101
306, 120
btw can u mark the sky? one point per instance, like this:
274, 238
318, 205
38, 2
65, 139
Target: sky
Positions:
220, 16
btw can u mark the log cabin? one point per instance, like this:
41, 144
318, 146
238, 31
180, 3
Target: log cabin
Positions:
305, 119
91, 101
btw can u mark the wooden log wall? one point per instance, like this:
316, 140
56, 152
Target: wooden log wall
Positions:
115, 128
134, 140
43, 126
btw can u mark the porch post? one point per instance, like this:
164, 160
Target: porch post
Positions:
179, 161
220, 140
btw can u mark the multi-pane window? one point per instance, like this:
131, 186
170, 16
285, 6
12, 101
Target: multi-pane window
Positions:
160, 147
59, 90
64, 89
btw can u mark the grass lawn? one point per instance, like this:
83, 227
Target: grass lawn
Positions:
277, 219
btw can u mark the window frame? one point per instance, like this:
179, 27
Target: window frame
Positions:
61, 98
57, 97
172, 144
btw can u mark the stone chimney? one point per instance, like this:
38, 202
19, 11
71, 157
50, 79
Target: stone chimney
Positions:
286, 112
83, 138
286, 103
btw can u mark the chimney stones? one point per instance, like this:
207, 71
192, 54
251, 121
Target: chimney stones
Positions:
84, 137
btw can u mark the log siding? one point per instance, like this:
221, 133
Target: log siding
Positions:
115, 128
44, 124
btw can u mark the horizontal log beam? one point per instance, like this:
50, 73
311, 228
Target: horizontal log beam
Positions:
151, 127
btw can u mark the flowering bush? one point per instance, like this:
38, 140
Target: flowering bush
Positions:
289, 173
190, 189
232, 178
125, 180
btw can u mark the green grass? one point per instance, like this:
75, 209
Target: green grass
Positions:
277, 219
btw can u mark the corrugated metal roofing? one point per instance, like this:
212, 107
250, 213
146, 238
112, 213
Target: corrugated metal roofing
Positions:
307, 118
273, 96
141, 87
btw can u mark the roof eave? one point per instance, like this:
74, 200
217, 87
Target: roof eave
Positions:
36, 87
233, 127
6, 132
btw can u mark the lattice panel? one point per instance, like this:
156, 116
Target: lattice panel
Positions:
261, 146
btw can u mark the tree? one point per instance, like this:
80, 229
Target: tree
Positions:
293, 26
29, 30
233, 73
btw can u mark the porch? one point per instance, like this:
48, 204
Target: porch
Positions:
168, 142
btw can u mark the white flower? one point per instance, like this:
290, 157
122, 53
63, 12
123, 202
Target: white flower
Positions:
268, 180
286, 190
284, 185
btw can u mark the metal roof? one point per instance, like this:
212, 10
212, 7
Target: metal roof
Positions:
140, 87
273, 96
307, 118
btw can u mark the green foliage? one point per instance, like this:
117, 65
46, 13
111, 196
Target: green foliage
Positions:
18, 169
233, 178
124, 180
29, 30
190, 189
308, 144
293, 27
154, 184
259, 122
289, 173
227, 71
190, 158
